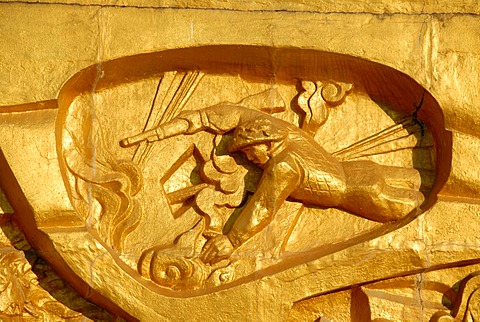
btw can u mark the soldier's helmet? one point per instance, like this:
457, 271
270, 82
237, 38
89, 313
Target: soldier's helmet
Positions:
255, 132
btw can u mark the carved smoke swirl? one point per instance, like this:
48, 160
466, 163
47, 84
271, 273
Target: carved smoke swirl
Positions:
176, 272
103, 186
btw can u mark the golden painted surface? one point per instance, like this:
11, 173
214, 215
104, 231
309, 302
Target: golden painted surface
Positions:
265, 161
32, 291
343, 6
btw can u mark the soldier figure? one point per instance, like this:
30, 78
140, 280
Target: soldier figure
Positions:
296, 167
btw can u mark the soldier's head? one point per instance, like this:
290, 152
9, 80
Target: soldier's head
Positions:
256, 139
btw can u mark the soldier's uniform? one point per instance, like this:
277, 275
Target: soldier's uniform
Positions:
297, 168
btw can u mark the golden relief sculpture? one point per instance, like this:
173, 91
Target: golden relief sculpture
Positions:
22, 297
195, 176
294, 167
234, 181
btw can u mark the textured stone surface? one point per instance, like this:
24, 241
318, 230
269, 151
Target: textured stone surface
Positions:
409, 272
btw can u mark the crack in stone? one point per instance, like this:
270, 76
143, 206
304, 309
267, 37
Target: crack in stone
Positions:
323, 11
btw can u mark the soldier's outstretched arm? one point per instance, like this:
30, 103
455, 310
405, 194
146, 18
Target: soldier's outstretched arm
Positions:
163, 131
218, 119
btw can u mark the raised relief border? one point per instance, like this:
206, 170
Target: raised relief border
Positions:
209, 170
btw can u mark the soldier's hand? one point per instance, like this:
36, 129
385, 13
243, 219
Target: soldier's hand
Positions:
216, 249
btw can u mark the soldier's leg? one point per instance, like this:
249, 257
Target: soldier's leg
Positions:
369, 195
402, 177
401, 201
363, 193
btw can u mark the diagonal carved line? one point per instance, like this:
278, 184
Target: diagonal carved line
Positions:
182, 94
391, 151
166, 90
152, 107
374, 139
376, 145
